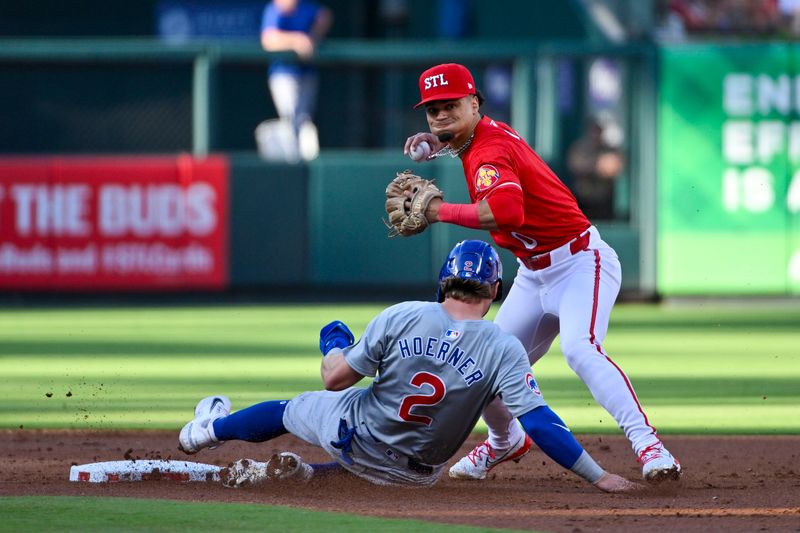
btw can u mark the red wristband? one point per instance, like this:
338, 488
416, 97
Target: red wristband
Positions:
462, 214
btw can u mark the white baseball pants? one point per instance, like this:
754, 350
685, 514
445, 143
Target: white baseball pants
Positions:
573, 297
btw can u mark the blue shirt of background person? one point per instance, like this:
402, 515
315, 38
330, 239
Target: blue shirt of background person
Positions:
293, 25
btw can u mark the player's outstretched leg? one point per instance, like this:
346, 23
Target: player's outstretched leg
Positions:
199, 433
283, 466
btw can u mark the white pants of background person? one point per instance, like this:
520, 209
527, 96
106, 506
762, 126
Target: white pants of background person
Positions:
295, 97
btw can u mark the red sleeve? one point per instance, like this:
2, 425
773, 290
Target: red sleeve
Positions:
462, 214
507, 207
496, 181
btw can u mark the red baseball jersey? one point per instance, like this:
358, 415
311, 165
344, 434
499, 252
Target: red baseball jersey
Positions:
499, 158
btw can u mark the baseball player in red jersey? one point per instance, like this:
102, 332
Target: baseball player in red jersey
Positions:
568, 278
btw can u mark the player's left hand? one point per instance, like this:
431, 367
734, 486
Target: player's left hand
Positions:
614, 483
335, 335
407, 199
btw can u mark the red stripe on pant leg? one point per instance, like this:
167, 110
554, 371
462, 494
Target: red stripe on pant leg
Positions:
599, 348
594, 299
630, 389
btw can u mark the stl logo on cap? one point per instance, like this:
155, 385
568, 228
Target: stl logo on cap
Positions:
485, 177
445, 82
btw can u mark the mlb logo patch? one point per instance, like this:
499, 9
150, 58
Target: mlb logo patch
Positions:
485, 177
531, 384
451, 334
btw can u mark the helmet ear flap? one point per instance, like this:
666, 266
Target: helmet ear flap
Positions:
446, 272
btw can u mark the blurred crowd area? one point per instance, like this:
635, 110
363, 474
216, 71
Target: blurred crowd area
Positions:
121, 107
712, 19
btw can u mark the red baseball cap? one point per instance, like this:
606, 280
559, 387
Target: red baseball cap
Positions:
445, 82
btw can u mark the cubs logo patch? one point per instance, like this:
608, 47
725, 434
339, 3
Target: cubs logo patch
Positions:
485, 177
531, 384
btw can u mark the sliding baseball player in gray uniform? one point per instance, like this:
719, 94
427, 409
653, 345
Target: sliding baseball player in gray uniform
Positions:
436, 365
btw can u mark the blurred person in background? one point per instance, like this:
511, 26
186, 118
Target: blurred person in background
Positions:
725, 17
297, 26
790, 16
455, 19
595, 164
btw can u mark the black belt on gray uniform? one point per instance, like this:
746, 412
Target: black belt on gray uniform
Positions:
419, 468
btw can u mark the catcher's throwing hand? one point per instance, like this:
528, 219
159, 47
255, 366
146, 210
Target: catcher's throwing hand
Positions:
407, 199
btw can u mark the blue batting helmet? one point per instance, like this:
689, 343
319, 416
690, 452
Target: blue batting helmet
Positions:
472, 260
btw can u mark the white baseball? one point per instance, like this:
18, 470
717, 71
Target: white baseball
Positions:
420, 151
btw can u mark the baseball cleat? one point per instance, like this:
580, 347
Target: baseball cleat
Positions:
284, 466
199, 433
658, 464
477, 463
243, 472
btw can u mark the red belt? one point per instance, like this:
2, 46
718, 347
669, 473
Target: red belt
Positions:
538, 262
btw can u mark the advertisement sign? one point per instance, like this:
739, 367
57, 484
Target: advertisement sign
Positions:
113, 223
729, 170
184, 20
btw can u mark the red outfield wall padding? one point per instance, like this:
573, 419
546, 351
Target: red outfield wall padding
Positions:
114, 223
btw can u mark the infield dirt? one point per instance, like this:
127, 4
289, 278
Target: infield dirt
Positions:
732, 483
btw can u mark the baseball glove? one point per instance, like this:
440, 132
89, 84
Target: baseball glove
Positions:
407, 198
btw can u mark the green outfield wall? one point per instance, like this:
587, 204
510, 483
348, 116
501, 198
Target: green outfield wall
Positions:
322, 225
729, 170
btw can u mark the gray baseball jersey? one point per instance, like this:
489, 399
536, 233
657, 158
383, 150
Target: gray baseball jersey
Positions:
433, 378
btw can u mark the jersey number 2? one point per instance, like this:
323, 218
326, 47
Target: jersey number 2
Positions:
412, 400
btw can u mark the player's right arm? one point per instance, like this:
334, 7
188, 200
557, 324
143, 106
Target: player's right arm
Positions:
345, 362
336, 373
428, 137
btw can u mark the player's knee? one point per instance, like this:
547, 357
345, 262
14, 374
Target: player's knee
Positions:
578, 352
574, 345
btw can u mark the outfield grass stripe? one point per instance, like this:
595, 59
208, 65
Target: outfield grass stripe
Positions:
693, 418
694, 365
707, 368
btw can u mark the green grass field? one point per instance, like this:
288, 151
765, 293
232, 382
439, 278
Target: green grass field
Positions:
58, 514
696, 369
